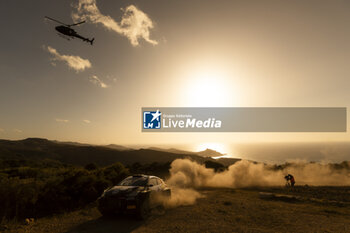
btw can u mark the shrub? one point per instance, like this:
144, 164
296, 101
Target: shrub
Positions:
43, 190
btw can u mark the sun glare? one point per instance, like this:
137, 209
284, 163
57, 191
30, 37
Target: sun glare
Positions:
208, 88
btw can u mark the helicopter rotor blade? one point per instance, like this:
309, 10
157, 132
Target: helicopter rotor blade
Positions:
75, 24
56, 21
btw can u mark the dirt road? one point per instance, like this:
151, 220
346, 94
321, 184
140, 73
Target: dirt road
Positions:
220, 210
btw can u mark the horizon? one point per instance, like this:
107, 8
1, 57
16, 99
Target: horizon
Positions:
266, 152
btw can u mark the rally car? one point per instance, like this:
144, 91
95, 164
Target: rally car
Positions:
136, 194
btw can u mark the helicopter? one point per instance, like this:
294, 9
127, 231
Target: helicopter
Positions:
66, 30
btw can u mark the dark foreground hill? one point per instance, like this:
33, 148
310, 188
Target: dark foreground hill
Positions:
82, 154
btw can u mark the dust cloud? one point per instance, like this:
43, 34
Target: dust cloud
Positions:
319, 174
182, 197
186, 176
186, 173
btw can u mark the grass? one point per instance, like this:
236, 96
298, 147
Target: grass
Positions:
222, 210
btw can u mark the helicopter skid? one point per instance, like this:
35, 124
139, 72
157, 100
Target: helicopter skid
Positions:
65, 37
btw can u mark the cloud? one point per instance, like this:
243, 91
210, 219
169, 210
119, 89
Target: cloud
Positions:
111, 78
61, 120
134, 24
87, 121
95, 80
17, 131
75, 62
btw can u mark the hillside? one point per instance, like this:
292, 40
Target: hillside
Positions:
204, 153
82, 154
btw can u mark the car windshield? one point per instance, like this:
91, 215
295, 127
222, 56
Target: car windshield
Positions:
134, 181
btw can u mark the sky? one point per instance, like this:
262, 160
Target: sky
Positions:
162, 53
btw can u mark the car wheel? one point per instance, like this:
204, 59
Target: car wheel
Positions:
144, 210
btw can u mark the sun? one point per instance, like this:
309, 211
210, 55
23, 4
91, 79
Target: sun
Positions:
208, 88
